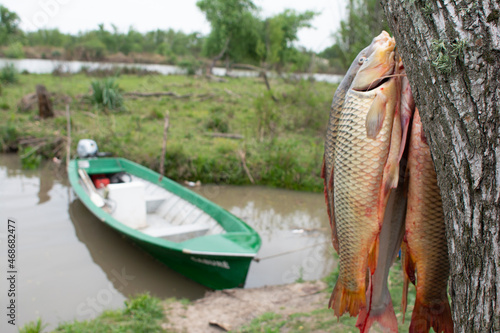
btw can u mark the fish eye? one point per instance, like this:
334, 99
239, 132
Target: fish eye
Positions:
361, 60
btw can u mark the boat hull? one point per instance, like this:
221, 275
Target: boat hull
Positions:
217, 261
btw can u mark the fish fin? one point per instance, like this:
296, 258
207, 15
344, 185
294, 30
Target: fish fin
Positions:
386, 319
373, 255
436, 315
390, 175
375, 116
343, 300
328, 191
408, 275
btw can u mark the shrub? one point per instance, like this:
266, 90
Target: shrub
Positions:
14, 51
106, 94
190, 65
9, 74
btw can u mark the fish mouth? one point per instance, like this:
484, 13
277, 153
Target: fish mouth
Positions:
376, 84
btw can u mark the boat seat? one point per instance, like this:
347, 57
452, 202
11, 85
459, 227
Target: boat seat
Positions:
153, 202
178, 233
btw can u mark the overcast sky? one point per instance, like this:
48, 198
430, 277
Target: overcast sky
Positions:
144, 15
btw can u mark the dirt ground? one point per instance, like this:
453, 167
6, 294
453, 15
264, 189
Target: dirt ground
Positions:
232, 308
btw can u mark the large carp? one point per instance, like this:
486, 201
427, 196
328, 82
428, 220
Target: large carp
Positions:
361, 166
425, 248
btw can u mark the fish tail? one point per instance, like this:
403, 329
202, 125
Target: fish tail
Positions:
385, 317
436, 315
344, 300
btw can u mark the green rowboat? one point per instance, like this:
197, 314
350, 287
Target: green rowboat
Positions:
176, 226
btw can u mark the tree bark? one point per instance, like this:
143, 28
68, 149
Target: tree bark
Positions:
451, 52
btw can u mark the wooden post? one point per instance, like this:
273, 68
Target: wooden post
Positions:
164, 146
45, 108
68, 139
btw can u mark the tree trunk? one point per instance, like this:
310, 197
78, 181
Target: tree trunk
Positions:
451, 52
218, 56
44, 103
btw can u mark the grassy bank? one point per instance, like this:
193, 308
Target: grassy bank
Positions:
299, 307
282, 141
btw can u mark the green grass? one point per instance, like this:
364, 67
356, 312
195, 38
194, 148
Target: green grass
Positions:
9, 75
142, 314
323, 319
283, 141
106, 94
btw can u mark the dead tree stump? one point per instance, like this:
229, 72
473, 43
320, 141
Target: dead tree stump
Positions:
44, 103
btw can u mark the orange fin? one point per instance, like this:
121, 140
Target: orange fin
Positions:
343, 300
437, 316
368, 316
373, 256
387, 320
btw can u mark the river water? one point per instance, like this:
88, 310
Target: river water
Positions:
72, 266
45, 66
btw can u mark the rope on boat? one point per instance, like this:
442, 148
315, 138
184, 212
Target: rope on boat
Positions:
288, 252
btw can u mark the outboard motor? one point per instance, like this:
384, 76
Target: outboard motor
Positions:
86, 148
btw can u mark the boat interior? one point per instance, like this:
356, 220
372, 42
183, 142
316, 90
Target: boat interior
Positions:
147, 207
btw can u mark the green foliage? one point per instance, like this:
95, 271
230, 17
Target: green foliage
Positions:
9, 74
279, 34
268, 115
268, 322
33, 327
30, 159
106, 94
191, 65
365, 20
14, 51
9, 26
142, 314
218, 120
234, 29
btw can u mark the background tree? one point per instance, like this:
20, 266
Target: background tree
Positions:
365, 18
229, 20
9, 25
280, 31
451, 51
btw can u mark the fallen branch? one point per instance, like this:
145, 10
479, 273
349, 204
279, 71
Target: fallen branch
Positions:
243, 161
225, 135
156, 94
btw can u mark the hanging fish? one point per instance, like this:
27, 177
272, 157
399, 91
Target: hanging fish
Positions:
361, 167
425, 248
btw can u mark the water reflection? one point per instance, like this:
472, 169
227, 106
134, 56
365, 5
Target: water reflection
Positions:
293, 226
129, 268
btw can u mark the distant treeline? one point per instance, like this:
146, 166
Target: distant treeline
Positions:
238, 36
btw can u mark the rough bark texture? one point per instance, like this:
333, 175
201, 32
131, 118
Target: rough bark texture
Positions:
451, 51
